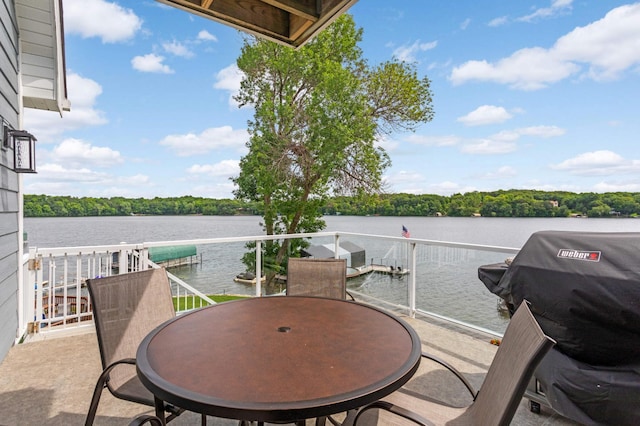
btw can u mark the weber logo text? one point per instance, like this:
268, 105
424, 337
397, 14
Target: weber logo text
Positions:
591, 256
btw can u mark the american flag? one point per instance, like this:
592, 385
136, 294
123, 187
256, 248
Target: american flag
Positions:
405, 232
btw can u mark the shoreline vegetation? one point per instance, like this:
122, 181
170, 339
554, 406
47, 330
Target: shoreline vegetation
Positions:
502, 203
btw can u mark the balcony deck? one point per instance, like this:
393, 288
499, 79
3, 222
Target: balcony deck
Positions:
49, 381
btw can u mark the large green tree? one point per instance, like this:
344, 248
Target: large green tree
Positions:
318, 113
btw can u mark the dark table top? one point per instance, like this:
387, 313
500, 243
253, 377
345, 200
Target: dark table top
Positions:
278, 359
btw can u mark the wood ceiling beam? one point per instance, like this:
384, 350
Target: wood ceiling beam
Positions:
306, 9
254, 15
291, 22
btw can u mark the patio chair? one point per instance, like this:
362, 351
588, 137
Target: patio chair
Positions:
126, 308
317, 277
523, 346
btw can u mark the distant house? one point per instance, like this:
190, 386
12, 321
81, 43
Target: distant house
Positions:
553, 203
33, 76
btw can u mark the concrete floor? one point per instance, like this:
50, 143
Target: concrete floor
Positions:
50, 381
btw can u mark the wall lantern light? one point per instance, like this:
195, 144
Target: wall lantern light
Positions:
24, 149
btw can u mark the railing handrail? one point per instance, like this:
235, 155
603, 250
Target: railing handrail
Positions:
184, 285
135, 256
148, 244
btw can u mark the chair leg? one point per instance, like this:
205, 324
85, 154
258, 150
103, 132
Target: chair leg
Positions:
348, 420
95, 399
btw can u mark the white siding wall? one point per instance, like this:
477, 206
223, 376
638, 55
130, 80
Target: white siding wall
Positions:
9, 199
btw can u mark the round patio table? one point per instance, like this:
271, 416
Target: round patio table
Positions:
278, 359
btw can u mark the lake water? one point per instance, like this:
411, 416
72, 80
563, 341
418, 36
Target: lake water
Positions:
506, 232
447, 279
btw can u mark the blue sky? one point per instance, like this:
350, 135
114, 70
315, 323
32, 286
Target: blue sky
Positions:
527, 95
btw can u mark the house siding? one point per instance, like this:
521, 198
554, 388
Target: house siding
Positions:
9, 187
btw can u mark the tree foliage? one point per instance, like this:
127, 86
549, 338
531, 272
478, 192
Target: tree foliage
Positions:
65, 206
508, 203
318, 113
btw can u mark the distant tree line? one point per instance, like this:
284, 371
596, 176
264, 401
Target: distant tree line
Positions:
503, 203
63, 206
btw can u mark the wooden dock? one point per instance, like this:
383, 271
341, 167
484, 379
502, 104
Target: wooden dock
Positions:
367, 269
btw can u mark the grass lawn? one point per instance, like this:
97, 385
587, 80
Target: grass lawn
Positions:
189, 302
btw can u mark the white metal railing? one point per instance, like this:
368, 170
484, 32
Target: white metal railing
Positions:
55, 297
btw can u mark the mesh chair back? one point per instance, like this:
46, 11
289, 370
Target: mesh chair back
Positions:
126, 308
317, 277
523, 346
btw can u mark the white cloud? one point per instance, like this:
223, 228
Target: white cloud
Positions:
206, 36
83, 95
557, 7
537, 131
501, 173
499, 21
77, 153
448, 188
527, 69
607, 47
488, 146
151, 63
485, 114
99, 18
221, 189
178, 49
506, 136
407, 53
387, 144
209, 140
541, 131
617, 186
499, 143
407, 182
465, 24
598, 163
56, 179
52, 172
403, 177
448, 140
229, 79
226, 168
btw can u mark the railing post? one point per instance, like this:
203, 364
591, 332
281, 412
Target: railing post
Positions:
336, 248
123, 261
37, 287
144, 259
258, 268
412, 286
28, 300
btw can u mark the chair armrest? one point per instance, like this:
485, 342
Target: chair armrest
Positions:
399, 411
451, 368
106, 371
